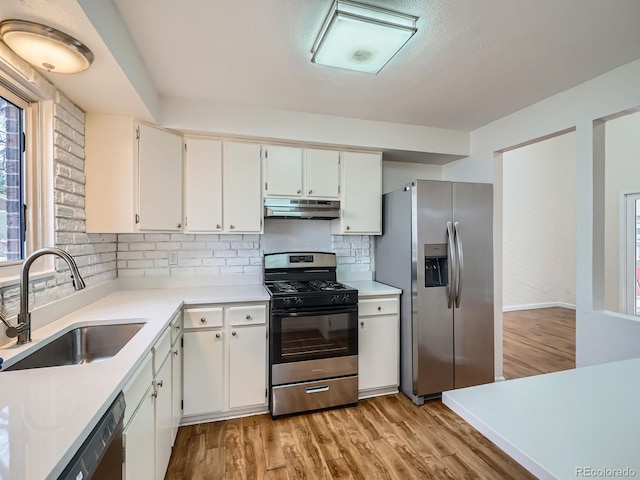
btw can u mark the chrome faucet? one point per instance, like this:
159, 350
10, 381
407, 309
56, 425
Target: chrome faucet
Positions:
23, 329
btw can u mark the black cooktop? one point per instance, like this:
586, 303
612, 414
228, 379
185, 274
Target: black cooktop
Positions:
313, 293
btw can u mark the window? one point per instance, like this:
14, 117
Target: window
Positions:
632, 253
12, 221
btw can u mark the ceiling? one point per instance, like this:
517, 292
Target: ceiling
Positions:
469, 63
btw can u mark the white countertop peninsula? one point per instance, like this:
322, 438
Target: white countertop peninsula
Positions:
47, 413
368, 288
571, 424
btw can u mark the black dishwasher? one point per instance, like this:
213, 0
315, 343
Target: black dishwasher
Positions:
100, 456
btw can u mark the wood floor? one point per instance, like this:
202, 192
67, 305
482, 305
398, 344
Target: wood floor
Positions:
382, 438
538, 341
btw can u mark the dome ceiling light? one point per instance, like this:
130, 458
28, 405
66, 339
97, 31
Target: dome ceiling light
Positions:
45, 47
361, 37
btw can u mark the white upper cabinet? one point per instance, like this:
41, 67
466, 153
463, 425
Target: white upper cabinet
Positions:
222, 187
203, 185
321, 173
242, 209
361, 199
133, 176
282, 171
293, 172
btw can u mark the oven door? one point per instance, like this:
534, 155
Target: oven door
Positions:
311, 334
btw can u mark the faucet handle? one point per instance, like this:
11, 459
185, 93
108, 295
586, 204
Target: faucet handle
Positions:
12, 332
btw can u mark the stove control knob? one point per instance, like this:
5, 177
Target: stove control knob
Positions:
286, 301
298, 301
345, 299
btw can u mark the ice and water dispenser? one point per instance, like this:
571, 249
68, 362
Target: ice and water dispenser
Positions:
436, 273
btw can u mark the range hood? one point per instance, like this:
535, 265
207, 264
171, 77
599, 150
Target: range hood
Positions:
294, 208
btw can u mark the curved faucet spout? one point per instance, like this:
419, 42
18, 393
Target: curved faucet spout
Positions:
24, 317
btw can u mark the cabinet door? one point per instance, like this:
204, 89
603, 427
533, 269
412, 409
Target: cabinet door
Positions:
283, 171
203, 185
176, 388
242, 197
362, 193
322, 173
159, 179
163, 418
247, 366
139, 442
378, 352
203, 356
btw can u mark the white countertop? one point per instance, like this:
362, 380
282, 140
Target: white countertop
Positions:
556, 424
369, 288
47, 413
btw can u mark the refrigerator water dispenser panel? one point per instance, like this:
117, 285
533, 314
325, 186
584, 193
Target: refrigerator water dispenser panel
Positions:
436, 272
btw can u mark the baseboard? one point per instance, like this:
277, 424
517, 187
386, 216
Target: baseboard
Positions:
376, 392
500, 379
533, 306
227, 415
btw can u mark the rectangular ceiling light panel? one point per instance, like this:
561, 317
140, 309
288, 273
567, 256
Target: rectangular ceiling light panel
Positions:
360, 37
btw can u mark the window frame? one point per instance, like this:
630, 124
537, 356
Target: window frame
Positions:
37, 177
630, 296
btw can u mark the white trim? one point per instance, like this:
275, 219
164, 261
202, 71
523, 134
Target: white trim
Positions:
533, 306
499, 379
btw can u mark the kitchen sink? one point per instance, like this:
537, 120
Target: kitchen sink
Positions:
80, 345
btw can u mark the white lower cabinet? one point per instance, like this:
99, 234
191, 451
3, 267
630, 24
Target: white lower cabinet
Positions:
150, 415
139, 441
378, 345
225, 361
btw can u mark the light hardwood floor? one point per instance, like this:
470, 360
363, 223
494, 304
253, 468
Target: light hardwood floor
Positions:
382, 438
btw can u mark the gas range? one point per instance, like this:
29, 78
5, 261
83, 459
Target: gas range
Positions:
311, 293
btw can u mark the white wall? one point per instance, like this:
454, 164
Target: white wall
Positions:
578, 108
539, 211
395, 175
622, 175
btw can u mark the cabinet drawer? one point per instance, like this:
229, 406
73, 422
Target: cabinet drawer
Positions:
251, 315
137, 386
203, 317
377, 306
176, 327
161, 349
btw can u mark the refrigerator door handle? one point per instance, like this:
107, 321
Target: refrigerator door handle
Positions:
452, 260
460, 273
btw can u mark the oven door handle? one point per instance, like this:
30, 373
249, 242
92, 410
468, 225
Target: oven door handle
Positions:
309, 313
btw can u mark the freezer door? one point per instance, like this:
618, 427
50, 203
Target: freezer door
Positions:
432, 318
473, 312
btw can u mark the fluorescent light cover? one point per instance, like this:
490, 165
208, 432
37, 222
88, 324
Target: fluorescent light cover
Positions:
45, 47
362, 38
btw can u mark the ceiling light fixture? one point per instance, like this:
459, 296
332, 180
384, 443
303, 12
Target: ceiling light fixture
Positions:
45, 47
361, 37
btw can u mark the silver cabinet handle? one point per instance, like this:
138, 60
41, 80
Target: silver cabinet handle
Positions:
310, 192
248, 317
348, 227
160, 383
456, 229
154, 394
217, 335
175, 352
299, 192
177, 327
231, 227
362, 324
324, 388
379, 308
452, 259
218, 226
233, 333
203, 320
179, 225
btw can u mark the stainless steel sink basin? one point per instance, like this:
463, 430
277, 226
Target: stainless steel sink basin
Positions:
79, 346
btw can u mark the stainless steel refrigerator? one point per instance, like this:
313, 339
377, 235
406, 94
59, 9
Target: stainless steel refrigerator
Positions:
437, 246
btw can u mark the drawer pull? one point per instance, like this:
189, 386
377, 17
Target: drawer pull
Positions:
362, 324
248, 317
233, 333
160, 383
217, 335
324, 388
177, 327
203, 320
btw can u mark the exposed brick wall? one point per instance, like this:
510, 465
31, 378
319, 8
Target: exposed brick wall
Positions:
147, 255
95, 254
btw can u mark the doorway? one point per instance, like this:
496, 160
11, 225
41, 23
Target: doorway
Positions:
539, 264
